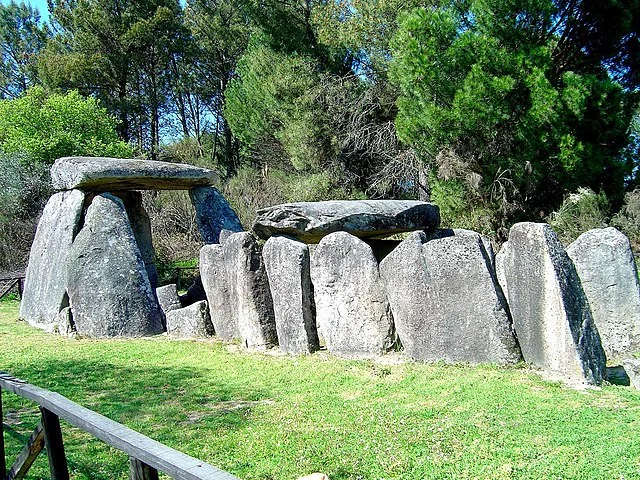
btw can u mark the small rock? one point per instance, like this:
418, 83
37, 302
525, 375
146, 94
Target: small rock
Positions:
168, 298
190, 322
632, 367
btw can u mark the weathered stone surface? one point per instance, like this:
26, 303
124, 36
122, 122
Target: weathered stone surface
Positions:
237, 289
352, 311
168, 298
63, 323
310, 221
446, 302
604, 261
550, 311
213, 214
109, 174
216, 282
250, 289
141, 226
190, 322
109, 291
632, 367
46, 276
287, 265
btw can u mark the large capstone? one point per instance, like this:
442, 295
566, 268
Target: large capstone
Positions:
141, 226
446, 301
46, 276
190, 322
352, 310
310, 221
287, 265
550, 311
109, 174
109, 290
213, 214
606, 267
237, 289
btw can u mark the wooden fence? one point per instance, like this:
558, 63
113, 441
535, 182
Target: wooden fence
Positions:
8, 283
146, 456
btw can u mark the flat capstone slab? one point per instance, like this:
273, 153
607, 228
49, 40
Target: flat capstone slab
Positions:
309, 222
101, 174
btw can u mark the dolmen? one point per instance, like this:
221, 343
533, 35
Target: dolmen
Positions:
92, 263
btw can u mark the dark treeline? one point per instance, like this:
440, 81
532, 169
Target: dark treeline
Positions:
494, 109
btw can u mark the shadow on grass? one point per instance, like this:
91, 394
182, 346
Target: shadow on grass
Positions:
158, 401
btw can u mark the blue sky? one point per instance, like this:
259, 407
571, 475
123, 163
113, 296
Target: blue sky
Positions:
40, 5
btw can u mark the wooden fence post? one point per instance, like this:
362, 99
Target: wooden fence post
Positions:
141, 471
3, 464
54, 445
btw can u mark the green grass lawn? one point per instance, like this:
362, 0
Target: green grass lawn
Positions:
276, 417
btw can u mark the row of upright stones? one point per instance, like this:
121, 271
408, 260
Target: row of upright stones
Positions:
323, 276
440, 294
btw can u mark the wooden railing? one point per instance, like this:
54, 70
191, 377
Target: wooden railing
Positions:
7, 283
146, 456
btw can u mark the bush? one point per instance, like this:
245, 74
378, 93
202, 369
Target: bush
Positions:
579, 212
627, 220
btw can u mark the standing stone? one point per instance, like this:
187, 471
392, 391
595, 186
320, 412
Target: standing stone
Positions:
237, 289
446, 302
550, 311
215, 279
287, 265
250, 291
606, 267
190, 322
45, 284
168, 298
213, 214
141, 226
351, 306
109, 291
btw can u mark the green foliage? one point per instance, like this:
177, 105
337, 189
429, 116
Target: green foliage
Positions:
264, 416
580, 212
22, 39
273, 100
485, 80
41, 127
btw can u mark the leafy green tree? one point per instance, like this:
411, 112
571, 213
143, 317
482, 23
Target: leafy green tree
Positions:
39, 128
21, 40
521, 101
120, 52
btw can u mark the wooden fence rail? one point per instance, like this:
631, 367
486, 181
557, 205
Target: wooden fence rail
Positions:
147, 456
8, 283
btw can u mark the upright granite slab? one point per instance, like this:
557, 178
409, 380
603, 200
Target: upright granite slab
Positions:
46, 276
141, 226
446, 302
604, 261
288, 270
311, 221
215, 279
237, 288
103, 174
213, 214
109, 290
168, 298
550, 311
352, 311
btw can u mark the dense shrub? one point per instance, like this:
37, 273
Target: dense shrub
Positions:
579, 212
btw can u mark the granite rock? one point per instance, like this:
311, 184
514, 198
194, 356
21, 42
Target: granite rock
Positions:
190, 322
213, 214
